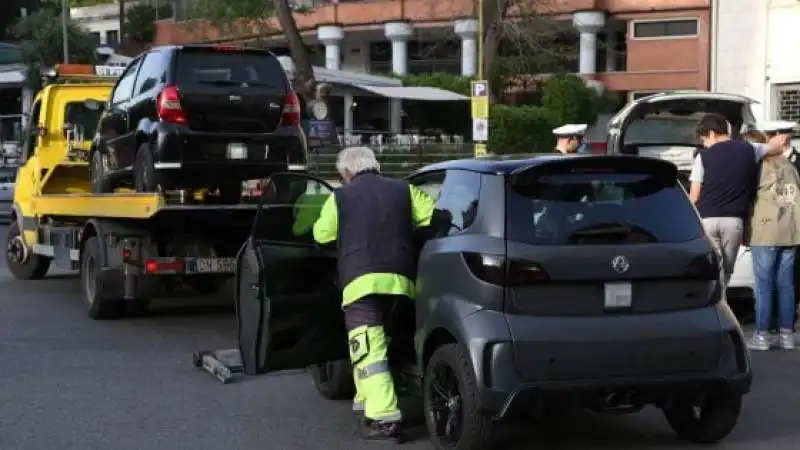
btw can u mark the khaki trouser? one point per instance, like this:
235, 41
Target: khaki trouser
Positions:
727, 234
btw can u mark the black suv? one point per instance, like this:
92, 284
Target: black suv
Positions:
198, 116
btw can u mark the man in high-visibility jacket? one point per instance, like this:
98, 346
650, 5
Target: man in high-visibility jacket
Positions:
372, 218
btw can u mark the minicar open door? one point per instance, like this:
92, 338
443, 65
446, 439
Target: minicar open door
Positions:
288, 306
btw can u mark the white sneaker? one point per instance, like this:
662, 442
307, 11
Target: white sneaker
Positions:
759, 341
787, 340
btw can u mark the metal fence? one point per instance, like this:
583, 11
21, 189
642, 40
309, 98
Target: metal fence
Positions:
396, 160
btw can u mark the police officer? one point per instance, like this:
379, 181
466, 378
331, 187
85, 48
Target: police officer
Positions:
786, 128
569, 137
372, 218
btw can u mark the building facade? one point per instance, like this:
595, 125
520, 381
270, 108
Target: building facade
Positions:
754, 54
634, 46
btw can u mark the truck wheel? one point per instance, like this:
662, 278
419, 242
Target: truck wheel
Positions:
99, 170
450, 401
334, 379
21, 261
97, 304
145, 176
708, 423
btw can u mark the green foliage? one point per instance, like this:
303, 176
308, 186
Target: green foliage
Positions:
42, 46
521, 129
140, 21
569, 99
441, 80
227, 15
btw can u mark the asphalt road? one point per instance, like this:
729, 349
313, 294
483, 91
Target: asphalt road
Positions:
67, 382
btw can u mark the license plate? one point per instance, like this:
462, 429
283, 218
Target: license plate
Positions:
212, 265
618, 295
237, 150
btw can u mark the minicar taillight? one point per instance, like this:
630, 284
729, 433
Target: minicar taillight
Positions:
502, 271
704, 267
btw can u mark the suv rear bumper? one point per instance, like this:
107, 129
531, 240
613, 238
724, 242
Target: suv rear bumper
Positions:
179, 147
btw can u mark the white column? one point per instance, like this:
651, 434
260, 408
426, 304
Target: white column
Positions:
467, 30
398, 33
588, 23
348, 113
611, 50
331, 36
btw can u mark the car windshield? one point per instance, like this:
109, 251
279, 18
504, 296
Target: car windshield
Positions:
77, 114
601, 209
235, 68
8, 174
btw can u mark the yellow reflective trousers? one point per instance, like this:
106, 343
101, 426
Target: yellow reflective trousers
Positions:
375, 393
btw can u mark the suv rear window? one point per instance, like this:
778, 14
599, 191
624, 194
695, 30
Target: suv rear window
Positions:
601, 209
235, 68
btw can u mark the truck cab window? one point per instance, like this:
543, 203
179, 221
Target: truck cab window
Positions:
84, 119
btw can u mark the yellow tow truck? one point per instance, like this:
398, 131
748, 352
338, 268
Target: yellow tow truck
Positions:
127, 246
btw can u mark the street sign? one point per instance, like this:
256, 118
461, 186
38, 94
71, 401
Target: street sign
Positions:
480, 99
480, 129
480, 115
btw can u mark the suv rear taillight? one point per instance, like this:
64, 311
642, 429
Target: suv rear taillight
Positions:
598, 147
291, 111
168, 106
502, 271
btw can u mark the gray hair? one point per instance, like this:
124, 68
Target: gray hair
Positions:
356, 160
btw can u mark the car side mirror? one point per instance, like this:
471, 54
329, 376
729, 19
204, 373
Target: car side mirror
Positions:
93, 105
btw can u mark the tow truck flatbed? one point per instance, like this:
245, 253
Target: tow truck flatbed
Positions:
120, 205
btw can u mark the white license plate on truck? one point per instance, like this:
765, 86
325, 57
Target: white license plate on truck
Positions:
618, 295
212, 265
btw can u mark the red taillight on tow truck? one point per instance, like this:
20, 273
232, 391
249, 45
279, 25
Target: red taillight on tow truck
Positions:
168, 106
291, 110
164, 266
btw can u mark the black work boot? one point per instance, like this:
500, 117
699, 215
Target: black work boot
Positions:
376, 431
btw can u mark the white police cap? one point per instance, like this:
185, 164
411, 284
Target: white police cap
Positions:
570, 129
778, 126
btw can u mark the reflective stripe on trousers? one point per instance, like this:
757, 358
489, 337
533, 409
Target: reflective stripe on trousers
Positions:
371, 372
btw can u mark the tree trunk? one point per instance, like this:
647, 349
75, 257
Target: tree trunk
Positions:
121, 22
304, 81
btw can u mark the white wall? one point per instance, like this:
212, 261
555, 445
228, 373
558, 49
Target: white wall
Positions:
756, 46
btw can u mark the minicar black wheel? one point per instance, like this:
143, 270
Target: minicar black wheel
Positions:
450, 400
334, 379
98, 305
705, 422
20, 259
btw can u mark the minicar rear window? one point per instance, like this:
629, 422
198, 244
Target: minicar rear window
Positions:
601, 209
